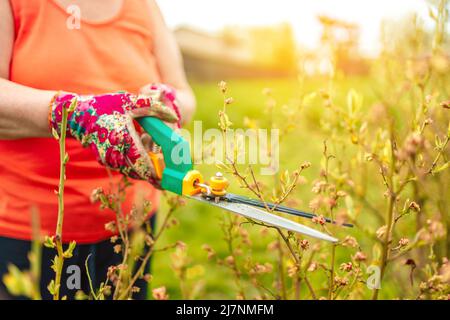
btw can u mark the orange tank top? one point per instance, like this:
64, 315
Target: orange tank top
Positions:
97, 58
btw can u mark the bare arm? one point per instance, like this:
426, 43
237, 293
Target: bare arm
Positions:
23, 110
170, 63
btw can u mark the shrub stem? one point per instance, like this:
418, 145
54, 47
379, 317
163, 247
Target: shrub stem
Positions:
59, 260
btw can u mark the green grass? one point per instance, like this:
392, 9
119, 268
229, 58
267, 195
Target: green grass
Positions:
200, 224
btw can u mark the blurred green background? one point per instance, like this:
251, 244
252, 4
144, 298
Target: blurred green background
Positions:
395, 56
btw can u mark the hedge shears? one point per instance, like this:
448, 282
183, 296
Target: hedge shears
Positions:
180, 178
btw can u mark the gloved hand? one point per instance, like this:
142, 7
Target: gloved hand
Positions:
163, 93
104, 123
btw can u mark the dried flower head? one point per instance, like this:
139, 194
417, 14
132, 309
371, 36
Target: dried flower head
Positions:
381, 232
107, 290
305, 165
444, 271
229, 101
340, 282
173, 222
230, 260
414, 206
360, 256
181, 245
319, 186
316, 203
341, 194
346, 266
111, 226
274, 245
209, 250
403, 242
292, 271
97, 194
319, 220
312, 267
160, 293
111, 274
413, 144
445, 104
262, 268
433, 231
350, 241
149, 240
264, 231
304, 244
223, 86
135, 289
147, 277
243, 233
331, 202
117, 248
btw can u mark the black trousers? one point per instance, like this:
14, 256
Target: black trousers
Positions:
101, 257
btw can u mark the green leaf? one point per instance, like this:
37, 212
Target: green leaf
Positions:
80, 295
18, 282
73, 105
376, 252
49, 242
51, 287
350, 207
432, 14
285, 178
195, 272
66, 158
442, 168
55, 263
226, 120
55, 134
437, 141
69, 252
354, 101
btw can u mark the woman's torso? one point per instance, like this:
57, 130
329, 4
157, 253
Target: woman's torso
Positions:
50, 54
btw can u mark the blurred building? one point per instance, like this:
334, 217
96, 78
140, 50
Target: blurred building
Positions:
238, 52
339, 49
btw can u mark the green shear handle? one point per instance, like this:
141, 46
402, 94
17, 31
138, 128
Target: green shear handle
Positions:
178, 169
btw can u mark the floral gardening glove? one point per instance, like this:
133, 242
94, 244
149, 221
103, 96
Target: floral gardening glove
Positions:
165, 94
104, 123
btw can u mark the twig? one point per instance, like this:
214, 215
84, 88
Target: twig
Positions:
389, 216
91, 286
144, 262
59, 259
331, 287
438, 156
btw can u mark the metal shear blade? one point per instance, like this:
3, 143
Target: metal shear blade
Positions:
266, 217
275, 207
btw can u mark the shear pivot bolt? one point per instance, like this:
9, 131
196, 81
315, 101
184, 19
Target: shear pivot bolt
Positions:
218, 185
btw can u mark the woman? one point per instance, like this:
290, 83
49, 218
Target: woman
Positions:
50, 61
